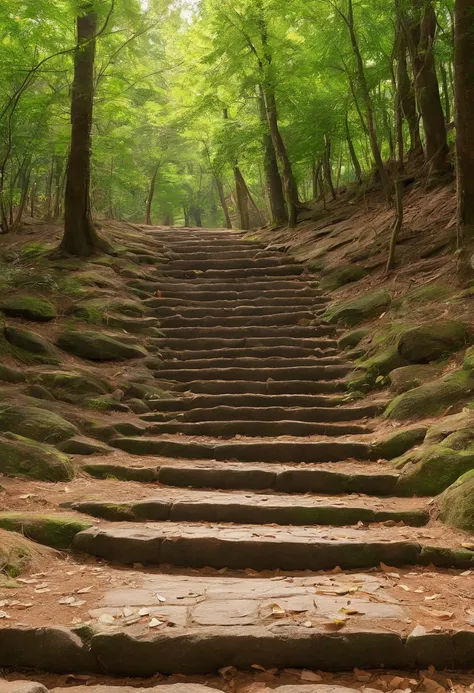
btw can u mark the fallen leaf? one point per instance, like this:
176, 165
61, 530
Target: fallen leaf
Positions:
258, 666
363, 676
443, 615
160, 598
128, 611
107, 619
335, 624
433, 596
469, 546
84, 590
307, 675
277, 611
3, 614
154, 623
418, 631
307, 624
350, 612
67, 600
144, 612
405, 587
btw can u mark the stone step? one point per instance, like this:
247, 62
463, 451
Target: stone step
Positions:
268, 413
355, 478
273, 332
246, 264
311, 373
279, 271
250, 362
195, 545
245, 321
201, 294
215, 343
264, 286
178, 304
266, 451
257, 354
260, 402
257, 429
297, 387
212, 253
234, 311
256, 509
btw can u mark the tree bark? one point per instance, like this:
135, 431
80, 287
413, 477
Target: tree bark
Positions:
33, 198
444, 82
315, 178
272, 174
242, 199
406, 96
352, 153
80, 237
25, 184
327, 166
58, 169
397, 226
464, 113
49, 190
223, 201
420, 30
151, 194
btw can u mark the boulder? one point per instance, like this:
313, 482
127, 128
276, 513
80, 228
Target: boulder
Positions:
335, 278
37, 424
408, 377
457, 503
80, 445
29, 308
23, 457
73, 383
10, 375
371, 369
56, 531
429, 470
29, 341
455, 431
351, 339
468, 363
428, 343
99, 347
433, 398
97, 308
357, 310
398, 443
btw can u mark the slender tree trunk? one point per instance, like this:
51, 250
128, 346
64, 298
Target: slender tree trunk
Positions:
322, 188
272, 174
339, 168
25, 184
242, 199
444, 82
352, 153
196, 213
406, 96
151, 194
186, 217
222, 200
33, 198
327, 166
369, 109
397, 226
49, 190
58, 168
315, 178
464, 97
420, 30
80, 237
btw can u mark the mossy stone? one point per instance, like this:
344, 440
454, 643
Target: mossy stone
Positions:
102, 306
351, 339
428, 293
29, 341
99, 347
457, 503
371, 369
80, 445
455, 431
23, 457
427, 343
145, 391
29, 308
432, 398
73, 383
340, 276
357, 310
10, 375
38, 424
39, 392
408, 377
398, 443
138, 406
430, 470
57, 531
468, 363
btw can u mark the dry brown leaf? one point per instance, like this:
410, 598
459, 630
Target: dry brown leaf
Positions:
336, 624
307, 675
434, 613
278, 611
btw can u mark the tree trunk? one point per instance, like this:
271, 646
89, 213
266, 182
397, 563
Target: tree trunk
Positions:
352, 153
369, 109
406, 96
49, 190
186, 217
327, 167
444, 82
464, 110
25, 184
339, 168
58, 168
272, 174
225, 208
397, 226
322, 188
315, 178
420, 30
196, 213
242, 199
33, 198
80, 237
149, 199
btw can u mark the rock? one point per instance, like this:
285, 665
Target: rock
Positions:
468, 363
431, 469
374, 367
457, 503
134, 325
73, 383
29, 341
356, 310
353, 338
408, 377
335, 278
97, 346
98, 309
39, 392
145, 391
432, 398
80, 445
22, 457
22, 687
57, 531
10, 375
455, 431
29, 308
38, 424
430, 342
398, 443
45, 649
138, 406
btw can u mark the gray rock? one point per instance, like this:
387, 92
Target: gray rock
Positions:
22, 687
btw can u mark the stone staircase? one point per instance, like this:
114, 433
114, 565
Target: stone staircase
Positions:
263, 466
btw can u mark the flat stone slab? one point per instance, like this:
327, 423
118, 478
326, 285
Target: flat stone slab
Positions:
21, 687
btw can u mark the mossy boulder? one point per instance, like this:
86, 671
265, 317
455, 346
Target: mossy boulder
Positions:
427, 293
457, 503
340, 276
145, 391
23, 457
39, 392
408, 377
38, 424
97, 346
29, 308
429, 470
75, 384
96, 309
371, 369
29, 341
455, 431
11, 375
399, 443
428, 343
57, 531
357, 310
351, 339
468, 363
18, 555
80, 445
432, 398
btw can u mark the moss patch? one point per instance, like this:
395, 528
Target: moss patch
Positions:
351, 339
38, 424
457, 503
408, 377
354, 311
398, 443
430, 470
22, 457
431, 342
29, 308
57, 531
340, 276
97, 346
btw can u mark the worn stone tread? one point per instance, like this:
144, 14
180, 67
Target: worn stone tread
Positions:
311, 373
257, 429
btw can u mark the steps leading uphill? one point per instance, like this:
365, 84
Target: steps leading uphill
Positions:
257, 461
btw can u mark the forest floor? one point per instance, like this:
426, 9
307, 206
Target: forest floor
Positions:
220, 504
